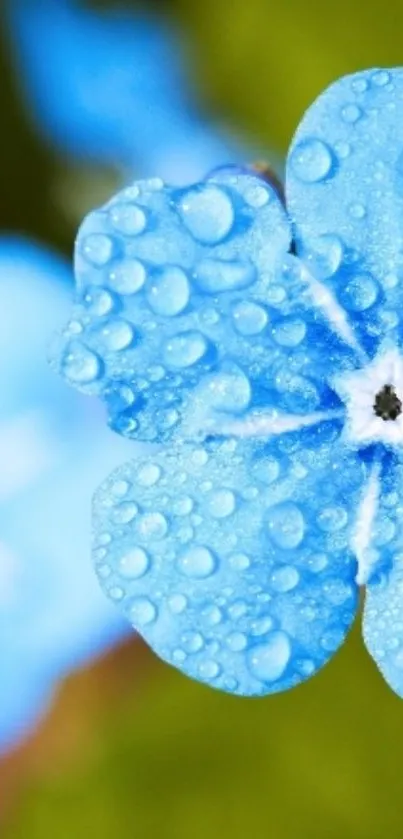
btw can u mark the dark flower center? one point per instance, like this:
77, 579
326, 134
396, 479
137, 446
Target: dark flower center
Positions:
387, 404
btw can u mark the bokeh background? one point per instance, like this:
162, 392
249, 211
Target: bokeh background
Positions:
97, 737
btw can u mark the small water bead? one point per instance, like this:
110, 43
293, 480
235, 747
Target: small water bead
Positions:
97, 248
117, 335
169, 291
317, 562
249, 318
116, 593
152, 526
359, 85
311, 160
199, 457
236, 642
257, 196
81, 365
125, 512
212, 615
207, 212
261, 626
120, 489
182, 506
331, 639
284, 578
342, 149
209, 669
221, 504
229, 390
142, 611
134, 564
268, 661
104, 571
240, 562
177, 604
332, 518
185, 349
289, 332
179, 656
218, 275
128, 277
351, 113
149, 475
192, 642
100, 553
127, 218
380, 78
198, 562
325, 255
104, 539
267, 470
286, 525
357, 211
360, 293
99, 301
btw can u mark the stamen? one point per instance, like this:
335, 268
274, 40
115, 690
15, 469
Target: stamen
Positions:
387, 404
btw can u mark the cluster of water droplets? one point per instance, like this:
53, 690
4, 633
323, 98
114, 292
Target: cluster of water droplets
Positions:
228, 562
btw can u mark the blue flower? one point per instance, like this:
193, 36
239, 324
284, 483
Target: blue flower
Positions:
260, 350
53, 448
111, 88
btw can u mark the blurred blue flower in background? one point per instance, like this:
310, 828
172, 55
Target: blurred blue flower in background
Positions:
53, 449
112, 88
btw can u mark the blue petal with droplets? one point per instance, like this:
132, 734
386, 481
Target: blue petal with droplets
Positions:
383, 612
345, 196
227, 558
188, 303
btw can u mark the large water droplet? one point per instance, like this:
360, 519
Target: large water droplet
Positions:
268, 661
80, 365
128, 276
127, 218
97, 248
229, 390
135, 563
98, 301
284, 578
217, 275
207, 213
185, 349
289, 332
249, 318
221, 504
236, 641
360, 293
142, 611
209, 670
324, 255
169, 292
117, 335
311, 160
198, 562
286, 525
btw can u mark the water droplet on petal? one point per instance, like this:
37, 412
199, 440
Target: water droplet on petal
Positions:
289, 332
207, 212
124, 512
236, 641
286, 525
142, 611
192, 642
185, 349
80, 365
257, 196
98, 301
209, 670
359, 85
221, 504
325, 255
198, 562
332, 518
357, 211
380, 78
97, 248
360, 293
284, 578
249, 318
149, 475
177, 604
127, 218
311, 160
134, 564
169, 292
217, 275
153, 526
351, 113
128, 277
239, 561
268, 661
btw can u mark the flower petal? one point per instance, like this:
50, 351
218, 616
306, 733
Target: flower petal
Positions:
383, 612
189, 303
232, 559
345, 195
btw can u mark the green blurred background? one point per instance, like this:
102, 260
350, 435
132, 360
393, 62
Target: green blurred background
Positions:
130, 747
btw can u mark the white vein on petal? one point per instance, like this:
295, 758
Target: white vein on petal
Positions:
269, 424
325, 301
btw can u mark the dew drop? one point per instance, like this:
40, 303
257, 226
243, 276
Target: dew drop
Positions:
169, 292
120, 488
357, 211
117, 335
229, 390
124, 512
127, 218
153, 526
268, 661
207, 213
116, 593
236, 642
134, 564
286, 525
351, 113
209, 669
98, 301
182, 506
218, 275
380, 78
198, 562
261, 626
221, 504
359, 85
149, 475
177, 604
192, 642
284, 578
240, 562
289, 332
128, 277
80, 365
311, 160
332, 518
257, 196
249, 318
186, 349
325, 255
97, 249
360, 293
142, 611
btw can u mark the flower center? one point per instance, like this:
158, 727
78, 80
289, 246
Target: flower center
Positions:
387, 404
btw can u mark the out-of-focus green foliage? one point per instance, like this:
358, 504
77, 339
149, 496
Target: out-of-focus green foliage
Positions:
180, 761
